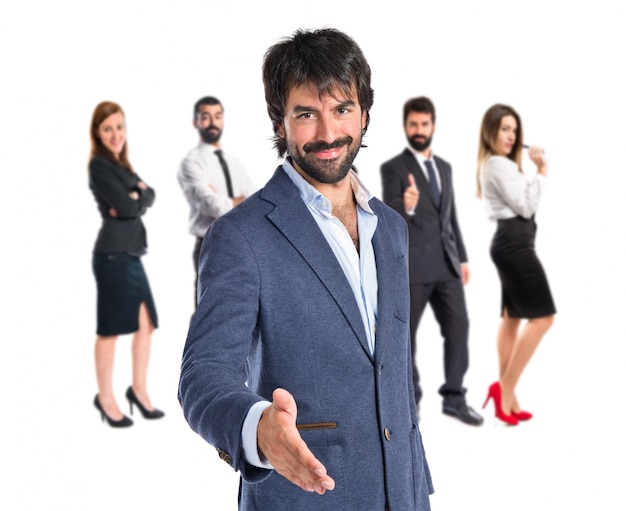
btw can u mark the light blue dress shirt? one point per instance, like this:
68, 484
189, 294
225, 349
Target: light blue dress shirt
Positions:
359, 269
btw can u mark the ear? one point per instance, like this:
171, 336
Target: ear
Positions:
365, 120
280, 130
195, 124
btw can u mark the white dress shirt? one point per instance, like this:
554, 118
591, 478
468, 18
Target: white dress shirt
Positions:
359, 268
201, 177
507, 192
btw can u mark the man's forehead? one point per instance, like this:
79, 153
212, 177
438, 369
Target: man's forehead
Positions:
210, 109
420, 117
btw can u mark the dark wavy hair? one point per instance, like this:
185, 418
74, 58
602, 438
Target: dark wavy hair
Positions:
100, 113
420, 104
206, 100
325, 58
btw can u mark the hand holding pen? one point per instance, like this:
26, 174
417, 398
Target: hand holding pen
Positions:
536, 154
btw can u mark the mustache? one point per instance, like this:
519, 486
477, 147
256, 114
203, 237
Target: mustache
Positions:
211, 127
325, 146
418, 137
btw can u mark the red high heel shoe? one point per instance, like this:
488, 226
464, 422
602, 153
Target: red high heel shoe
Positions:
496, 394
522, 415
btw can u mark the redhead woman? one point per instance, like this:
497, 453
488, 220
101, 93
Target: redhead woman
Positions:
511, 200
124, 303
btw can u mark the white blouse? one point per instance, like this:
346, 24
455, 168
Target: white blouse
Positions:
507, 192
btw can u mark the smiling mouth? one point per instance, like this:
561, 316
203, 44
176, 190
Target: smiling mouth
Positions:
324, 147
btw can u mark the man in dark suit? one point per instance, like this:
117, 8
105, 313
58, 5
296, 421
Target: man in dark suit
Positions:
418, 185
297, 365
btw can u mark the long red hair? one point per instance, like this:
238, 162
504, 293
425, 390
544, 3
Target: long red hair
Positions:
101, 112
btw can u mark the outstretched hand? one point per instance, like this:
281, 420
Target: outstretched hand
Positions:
280, 443
411, 195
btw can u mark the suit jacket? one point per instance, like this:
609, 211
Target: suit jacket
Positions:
434, 235
276, 310
110, 185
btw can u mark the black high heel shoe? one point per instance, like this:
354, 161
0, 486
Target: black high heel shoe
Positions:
147, 414
124, 422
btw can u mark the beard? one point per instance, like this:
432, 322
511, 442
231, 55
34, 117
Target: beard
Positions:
326, 171
211, 134
419, 142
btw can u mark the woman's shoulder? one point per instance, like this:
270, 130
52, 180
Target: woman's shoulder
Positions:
497, 163
100, 164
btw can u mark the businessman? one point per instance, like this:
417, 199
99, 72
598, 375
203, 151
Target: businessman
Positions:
418, 184
213, 181
297, 366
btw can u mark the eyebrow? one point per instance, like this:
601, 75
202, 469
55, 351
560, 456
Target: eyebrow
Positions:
304, 108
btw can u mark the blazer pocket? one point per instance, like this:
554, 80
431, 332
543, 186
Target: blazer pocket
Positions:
316, 426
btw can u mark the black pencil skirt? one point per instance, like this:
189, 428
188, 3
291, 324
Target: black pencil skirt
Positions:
525, 289
122, 286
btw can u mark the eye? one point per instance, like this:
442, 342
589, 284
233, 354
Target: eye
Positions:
305, 115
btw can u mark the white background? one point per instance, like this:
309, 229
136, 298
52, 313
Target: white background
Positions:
559, 64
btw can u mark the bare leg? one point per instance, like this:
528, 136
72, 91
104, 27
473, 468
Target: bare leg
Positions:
105, 356
507, 335
521, 353
142, 341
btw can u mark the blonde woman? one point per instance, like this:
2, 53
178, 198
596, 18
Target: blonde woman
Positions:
511, 200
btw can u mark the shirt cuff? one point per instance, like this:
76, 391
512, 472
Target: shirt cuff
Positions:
410, 212
248, 435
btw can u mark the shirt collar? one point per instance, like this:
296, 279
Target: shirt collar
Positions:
421, 159
314, 198
205, 146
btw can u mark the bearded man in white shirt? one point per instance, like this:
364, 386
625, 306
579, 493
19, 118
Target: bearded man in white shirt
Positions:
214, 182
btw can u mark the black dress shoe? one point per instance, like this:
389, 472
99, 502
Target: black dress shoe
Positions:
463, 412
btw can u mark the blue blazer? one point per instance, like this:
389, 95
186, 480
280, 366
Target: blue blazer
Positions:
275, 310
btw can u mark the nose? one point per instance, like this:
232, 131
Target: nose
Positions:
326, 129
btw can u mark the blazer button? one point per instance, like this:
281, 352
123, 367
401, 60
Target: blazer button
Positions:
225, 456
387, 434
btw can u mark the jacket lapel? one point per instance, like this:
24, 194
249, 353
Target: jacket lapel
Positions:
293, 219
446, 185
388, 269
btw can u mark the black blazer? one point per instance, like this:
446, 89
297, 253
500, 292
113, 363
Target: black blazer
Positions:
434, 234
111, 185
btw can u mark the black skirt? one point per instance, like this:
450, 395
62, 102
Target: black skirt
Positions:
122, 286
525, 289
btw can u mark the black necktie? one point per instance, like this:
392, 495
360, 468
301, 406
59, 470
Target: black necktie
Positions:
432, 180
224, 165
